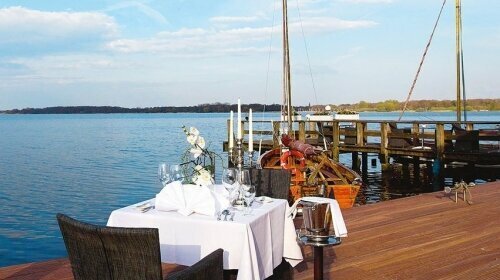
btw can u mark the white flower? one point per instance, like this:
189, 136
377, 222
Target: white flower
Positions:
194, 131
198, 168
200, 142
203, 178
192, 139
196, 152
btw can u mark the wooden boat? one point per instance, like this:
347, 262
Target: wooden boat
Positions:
314, 173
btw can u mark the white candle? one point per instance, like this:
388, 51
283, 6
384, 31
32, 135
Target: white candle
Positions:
250, 131
231, 143
238, 135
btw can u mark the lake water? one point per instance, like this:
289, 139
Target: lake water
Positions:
88, 165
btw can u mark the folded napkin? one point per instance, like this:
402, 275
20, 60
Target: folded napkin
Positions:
188, 199
337, 219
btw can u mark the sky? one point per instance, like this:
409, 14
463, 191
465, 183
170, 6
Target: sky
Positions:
190, 52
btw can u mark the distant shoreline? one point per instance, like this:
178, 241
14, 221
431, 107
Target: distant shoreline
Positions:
362, 106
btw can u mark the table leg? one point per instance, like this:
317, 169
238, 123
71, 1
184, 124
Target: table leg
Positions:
318, 263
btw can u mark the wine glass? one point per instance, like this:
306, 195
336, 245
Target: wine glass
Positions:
245, 183
248, 196
229, 180
176, 173
244, 177
164, 174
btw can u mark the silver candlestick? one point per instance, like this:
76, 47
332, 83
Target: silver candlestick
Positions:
250, 158
239, 153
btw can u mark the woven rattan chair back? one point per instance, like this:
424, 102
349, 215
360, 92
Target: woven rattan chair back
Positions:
97, 252
85, 249
210, 267
132, 253
271, 182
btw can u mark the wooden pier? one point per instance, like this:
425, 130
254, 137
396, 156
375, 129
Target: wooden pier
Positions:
471, 142
428, 236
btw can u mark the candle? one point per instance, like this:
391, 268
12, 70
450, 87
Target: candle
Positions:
231, 143
238, 135
250, 132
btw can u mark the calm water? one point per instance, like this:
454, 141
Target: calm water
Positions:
88, 165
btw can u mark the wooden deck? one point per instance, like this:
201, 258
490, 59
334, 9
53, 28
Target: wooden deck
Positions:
422, 237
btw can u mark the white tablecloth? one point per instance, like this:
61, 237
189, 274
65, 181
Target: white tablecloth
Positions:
253, 244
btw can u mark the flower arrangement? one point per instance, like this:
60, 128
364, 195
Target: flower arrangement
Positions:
199, 161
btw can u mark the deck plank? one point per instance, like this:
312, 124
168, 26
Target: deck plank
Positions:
428, 236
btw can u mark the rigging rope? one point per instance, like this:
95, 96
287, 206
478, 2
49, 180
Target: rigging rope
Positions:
421, 62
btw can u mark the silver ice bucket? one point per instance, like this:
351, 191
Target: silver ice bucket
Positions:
317, 220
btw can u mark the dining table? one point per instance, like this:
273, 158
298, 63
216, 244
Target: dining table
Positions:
254, 242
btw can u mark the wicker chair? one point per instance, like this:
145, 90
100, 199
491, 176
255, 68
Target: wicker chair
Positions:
210, 267
97, 252
85, 249
271, 182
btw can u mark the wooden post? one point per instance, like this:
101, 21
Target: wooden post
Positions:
439, 140
336, 140
302, 131
438, 161
360, 135
276, 134
416, 169
355, 161
364, 164
384, 153
415, 131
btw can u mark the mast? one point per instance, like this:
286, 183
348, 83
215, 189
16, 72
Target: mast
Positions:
458, 27
287, 92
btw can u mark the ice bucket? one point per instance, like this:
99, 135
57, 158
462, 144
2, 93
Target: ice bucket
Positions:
317, 219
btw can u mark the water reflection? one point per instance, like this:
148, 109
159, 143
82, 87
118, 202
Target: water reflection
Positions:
88, 165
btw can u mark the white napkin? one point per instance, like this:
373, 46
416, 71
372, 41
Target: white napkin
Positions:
188, 199
337, 219
291, 250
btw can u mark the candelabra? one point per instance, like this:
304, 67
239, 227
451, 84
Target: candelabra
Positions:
237, 155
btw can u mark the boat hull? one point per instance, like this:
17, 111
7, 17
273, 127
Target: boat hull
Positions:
318, 176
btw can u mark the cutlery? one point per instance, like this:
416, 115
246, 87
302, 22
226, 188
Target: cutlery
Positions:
225, 213
146, 209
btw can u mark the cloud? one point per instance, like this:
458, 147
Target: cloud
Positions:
30, 31
210, 42
195, 42
328, 24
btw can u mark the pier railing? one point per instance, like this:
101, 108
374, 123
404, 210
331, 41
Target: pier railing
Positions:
471, 142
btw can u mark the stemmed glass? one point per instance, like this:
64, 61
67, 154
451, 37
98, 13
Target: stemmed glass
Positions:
247, 190
248, 196
164, 174
176, 173
229, 180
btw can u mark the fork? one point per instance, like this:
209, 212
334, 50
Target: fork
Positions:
146, 209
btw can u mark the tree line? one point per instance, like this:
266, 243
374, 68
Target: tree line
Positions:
362, 106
